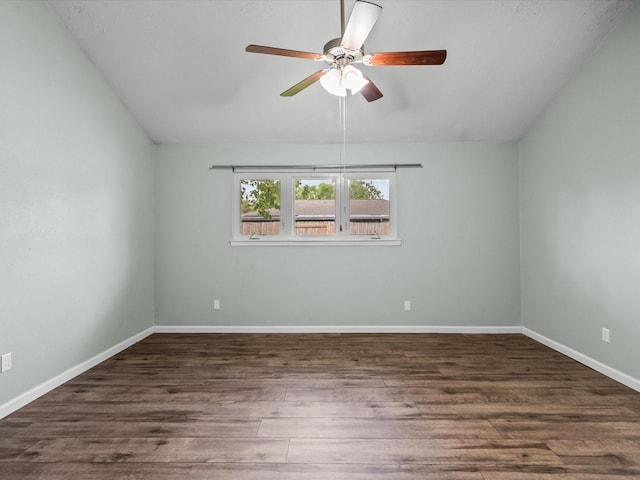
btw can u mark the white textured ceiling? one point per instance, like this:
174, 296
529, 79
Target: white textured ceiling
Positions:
181, 69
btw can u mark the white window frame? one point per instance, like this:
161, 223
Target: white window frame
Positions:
393, 217
338, 194
287, 235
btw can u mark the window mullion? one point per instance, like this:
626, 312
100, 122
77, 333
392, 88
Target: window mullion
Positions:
286, 206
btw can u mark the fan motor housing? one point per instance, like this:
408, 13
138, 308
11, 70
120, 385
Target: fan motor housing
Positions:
337, 55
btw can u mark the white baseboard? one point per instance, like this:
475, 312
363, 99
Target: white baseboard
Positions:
333, 329
36, 392
610, 372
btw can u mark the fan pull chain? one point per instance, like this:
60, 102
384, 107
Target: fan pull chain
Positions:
343, 153
343, 119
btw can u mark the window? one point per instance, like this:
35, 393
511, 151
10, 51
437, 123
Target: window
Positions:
314, 207
260, 206
369, 206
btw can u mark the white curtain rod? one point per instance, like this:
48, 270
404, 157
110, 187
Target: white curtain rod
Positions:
370, 166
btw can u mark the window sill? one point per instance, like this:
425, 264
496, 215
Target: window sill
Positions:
315, 243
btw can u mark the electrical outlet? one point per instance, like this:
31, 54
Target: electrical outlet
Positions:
407, 305
605, 335
216, 304
6, 362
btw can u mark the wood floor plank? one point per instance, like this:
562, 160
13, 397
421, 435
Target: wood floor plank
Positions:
561, 396
618, 452
94, 471
12, 448
564, 473
305, 409
480, 381
167, 394
347, 394
204, 411
516, 411
173, 378
559, 429
438, 395
334, 472
338, 406
401, 451
380, 428
215, 428
152, 450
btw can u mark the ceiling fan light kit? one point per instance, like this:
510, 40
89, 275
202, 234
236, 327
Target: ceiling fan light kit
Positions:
341, 53
338, 81
332, 83
353, 79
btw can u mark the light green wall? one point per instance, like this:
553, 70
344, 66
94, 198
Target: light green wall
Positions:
76, 205
458, 263
580, 195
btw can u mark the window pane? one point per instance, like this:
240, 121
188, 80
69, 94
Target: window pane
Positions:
369, 210
315, 206
259, 207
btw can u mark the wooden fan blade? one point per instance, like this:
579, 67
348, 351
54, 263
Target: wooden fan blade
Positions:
370, 92
420, 57
298, 87
283, 52
363, 17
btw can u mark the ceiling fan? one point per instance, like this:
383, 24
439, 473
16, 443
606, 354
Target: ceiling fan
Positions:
342, 53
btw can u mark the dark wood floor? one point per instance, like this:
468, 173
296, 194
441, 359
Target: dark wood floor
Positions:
337, 407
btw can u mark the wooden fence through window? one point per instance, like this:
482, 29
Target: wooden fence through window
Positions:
315, 228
